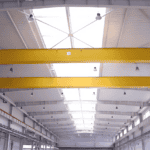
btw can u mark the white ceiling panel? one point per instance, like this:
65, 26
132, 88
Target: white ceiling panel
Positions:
110, 122
118, 95
38, 95
120, 108
124, 69
55, 116
42, 108
110, 116
25, 70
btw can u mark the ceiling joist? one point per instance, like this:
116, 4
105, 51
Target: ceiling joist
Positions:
96, 119
98, 112
127, 103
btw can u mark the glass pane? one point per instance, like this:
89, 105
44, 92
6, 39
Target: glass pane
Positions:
93, 33
74, 107
77, 115
88, 107
88, 94
71, 94
77, 70
88, 115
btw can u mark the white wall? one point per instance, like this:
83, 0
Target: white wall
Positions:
29, 122
18, 114
3, 121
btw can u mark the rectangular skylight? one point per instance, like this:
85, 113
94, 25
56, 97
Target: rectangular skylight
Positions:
89, 94
77, 70
56, 34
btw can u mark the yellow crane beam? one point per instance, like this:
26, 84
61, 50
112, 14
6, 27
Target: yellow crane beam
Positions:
75, 82
102, 55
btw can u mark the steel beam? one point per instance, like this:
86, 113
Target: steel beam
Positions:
102, 55
107, 125
69, 27
112, 120
99, 112
8, 5
68, 119
65, 129
96, 124
74, 132
84, 131
58, 125
75, 82
127, 103
104, 129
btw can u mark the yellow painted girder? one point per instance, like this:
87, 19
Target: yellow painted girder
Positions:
75, 82
105, 55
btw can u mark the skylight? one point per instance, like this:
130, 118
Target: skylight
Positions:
78, 29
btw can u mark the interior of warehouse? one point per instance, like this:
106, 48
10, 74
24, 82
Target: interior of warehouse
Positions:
74, 75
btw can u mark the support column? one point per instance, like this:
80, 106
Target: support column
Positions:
141, 119
132, 128
10, 112
7, 145
33, 125
40, 129
32, 145
21, 144
122, 132
24, 120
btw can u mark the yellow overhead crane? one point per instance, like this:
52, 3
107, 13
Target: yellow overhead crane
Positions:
105, 55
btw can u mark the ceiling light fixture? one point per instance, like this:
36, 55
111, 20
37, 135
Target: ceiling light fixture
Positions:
30, 19
95, 69
4, 101
137, 68
98, 17
11, 69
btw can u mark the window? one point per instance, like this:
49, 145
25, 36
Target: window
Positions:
121, 134
146, 115
117, 137
125, 131
137, 121
27, 146
130, 127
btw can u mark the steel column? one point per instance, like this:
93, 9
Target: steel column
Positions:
141, 119
8, 142
10, 112
21, 144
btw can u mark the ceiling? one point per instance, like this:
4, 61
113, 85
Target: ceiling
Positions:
123, 27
